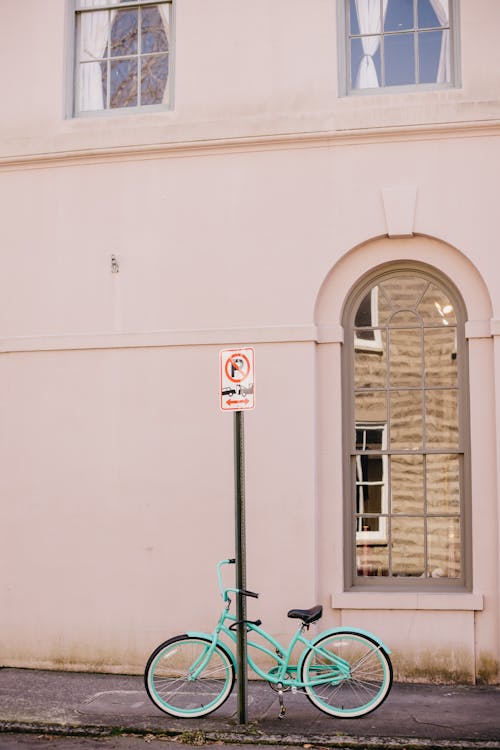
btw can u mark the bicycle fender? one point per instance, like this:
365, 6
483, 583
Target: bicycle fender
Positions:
359, 631
210, 637
347, 629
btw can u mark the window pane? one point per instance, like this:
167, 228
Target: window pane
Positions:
443, 483
404, 291
369, 484
371, 559
383, 309
123, 80
370, 364
94, 32
406, 420
443, 547
405, 319
353, 18
154, 74
124, 33
427, 18
371, 407
440, 356
407, 535
399, 59
92, 87
405, 357
369, 438
373, 310
364, 312
368, 499
153, 33
94, 3
429, 54
399, 15
365, 62
441, 419
436, 308
407, 484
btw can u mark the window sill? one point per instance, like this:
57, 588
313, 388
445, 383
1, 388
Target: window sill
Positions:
407, 600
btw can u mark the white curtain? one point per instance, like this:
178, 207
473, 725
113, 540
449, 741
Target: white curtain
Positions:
94, 32
442, 11
370, 22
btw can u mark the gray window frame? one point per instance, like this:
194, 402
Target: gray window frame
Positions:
72, 71
344, 70
352, 581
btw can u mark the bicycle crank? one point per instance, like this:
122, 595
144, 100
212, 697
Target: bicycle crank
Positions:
282, 712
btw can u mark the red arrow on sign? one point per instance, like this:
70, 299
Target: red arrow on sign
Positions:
230, 403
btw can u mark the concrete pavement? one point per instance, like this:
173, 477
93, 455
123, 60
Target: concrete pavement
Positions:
101, 704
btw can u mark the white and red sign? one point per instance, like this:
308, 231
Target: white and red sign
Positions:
237, 379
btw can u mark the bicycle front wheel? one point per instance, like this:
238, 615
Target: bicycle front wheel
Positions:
185, 679
346, 674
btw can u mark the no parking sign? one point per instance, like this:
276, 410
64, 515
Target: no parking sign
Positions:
237, 379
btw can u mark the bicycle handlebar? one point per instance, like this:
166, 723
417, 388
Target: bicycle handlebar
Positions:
224, 592
245, 592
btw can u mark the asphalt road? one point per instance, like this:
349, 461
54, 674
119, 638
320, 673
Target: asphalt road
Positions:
149, 742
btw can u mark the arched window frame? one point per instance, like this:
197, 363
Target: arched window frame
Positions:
353, 581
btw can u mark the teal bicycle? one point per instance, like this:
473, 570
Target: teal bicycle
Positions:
345, 672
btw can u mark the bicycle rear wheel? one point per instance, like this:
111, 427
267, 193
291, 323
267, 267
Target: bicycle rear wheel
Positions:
173, 685
346, 674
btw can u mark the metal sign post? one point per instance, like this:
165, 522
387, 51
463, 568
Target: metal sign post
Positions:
241, 609
237, 393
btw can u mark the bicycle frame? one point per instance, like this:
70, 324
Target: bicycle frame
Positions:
284, 672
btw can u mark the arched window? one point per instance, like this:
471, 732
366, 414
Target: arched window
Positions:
406, 431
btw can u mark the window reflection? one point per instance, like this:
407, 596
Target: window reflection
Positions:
443, 541
408, 553
398, 43
406, 424
406, 453
405, 357
123, 55
407, 484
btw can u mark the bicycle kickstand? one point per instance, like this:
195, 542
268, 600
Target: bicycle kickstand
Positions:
282, 712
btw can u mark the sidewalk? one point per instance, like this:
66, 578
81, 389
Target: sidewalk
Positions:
98, 704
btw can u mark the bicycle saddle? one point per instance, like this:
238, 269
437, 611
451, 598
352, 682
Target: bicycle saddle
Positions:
307, 615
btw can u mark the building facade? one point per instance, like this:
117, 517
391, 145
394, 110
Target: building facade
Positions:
318, 182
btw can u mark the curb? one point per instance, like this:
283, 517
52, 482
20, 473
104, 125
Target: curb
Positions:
199, 737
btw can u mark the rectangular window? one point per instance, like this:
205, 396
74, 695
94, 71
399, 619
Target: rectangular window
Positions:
122, 55
367, 336
398, 43
371, 484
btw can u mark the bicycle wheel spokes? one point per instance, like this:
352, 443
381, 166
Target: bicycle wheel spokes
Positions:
347, 674
185, 677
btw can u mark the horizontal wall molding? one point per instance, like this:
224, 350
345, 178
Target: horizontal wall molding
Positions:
458, 602
201, 337
73, 154
330, 335
204, 337
478, 329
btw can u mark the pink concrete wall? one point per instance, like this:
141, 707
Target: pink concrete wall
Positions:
244, 215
